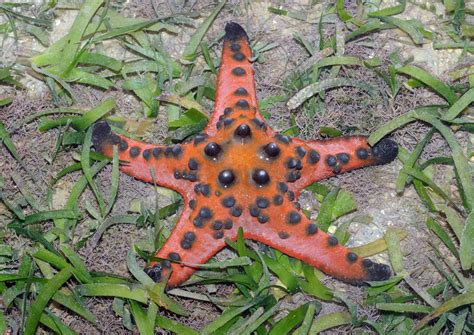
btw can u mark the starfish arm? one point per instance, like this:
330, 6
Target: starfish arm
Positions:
328, 158
235, 89
293, 234
188, 245
165, 165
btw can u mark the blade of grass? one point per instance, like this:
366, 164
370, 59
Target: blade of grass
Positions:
47, 124
69, 301
325, 85
51, 78
128, 219
85, 161
437, 85
339, 60
142, 66
403, 308
383, 286
71, 168
24, 188
191, 295
421, 292
5, 100
137, 271
115, 179
341, 12
82, 122
47, 291
55, 324
32, 235
466, 248
313, 285
289, 322
243, 281
174, 326
78, 264
255, 320
415, 173
443, 160
185, 86
455, 302
436, 228
191, 117
310, 62
238, 261
329, 321
60, 263
14, 208
410, 162
400, 121
207, 57
184, 102
394, 250
73, 42
71, 203
441, 269
189, 53
454, 221
7, 142
439, 325
72, 138
307, 322
370, 26
284, 274
28, 287
345, 203
89, 117
10, 277
156, 291
406, 26
390, 10
460, 161
325, 214
303, 16
227, 315
84, 77
146, 88
465, 100
459, 322
377, 246
100, 60
145, 326
252, 271
112, 290
128, 29
422, 191
50, 215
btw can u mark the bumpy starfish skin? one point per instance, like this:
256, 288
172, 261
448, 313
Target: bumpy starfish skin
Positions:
241, 173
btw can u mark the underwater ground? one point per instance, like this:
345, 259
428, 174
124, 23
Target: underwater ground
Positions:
76, 234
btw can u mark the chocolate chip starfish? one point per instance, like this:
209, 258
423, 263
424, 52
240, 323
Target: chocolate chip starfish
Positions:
241, 173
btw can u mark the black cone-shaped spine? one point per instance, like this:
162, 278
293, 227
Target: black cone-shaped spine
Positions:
234, 32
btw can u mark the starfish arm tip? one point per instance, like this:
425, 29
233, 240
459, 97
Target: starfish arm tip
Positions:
101, 133
385, 151
154, 272
234, 32
377, 271
161, 271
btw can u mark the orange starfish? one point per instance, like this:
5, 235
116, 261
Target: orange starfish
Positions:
241, 173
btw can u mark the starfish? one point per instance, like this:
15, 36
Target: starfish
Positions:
239, 172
